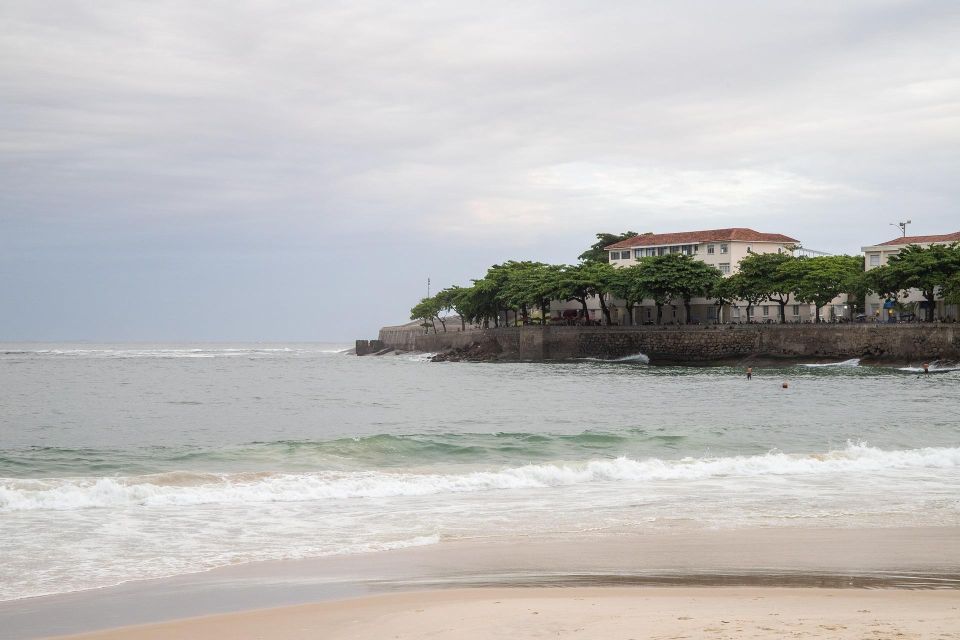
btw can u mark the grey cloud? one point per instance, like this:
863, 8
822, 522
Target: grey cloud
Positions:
472, 132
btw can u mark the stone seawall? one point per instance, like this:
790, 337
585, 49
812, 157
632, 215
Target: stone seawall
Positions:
894, 343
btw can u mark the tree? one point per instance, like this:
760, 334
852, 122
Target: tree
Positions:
676, 276
427, 309
458, 300
723, 294
529, 284
765, 275
929, 269
597, 251
740, 287
821, 279
582, 281
627, 284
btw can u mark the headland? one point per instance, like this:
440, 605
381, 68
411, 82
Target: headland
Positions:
684, 344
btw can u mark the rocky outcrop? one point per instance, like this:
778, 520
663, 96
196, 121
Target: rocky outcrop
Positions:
486, 349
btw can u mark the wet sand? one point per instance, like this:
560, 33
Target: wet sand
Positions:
609, 613
905, 561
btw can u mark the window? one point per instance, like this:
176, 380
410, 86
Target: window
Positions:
661, 250
638, 253
614, 255
736, 312
675, 249
766, 311
710, 248
874, 259
724, 267
796, 309
624, 255
723, 248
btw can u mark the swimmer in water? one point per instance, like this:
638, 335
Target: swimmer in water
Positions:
926, 367
749, 373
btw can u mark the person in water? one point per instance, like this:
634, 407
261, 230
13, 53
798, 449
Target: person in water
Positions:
749, 373
926, 367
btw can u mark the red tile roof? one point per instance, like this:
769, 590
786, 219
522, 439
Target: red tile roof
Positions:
947, 237
735, 234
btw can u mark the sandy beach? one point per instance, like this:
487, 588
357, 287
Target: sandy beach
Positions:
824, 583
610, 613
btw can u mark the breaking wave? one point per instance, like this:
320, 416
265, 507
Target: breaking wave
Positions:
852, 362
191, 488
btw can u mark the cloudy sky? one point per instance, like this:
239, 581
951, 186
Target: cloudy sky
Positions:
295, 170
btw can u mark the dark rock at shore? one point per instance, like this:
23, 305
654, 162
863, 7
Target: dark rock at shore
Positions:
484, 350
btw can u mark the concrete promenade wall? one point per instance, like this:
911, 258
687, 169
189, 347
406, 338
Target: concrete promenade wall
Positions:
894, 343
412, 338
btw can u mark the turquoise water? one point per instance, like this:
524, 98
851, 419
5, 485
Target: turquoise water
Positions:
121, 462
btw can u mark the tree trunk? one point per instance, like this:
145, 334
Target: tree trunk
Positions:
749, 313
817, 307
686, 309
931, 305
463, 323
434, 323
629, 309
443, 323
605, 309
783, 311
659, 314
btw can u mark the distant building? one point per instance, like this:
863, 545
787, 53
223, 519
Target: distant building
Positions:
720, 248
877, 255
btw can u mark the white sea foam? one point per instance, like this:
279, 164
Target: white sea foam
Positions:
935, 367
195, 489
642, 358
172, 352
852, 362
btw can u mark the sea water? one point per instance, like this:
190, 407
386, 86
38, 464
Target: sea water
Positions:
126, 462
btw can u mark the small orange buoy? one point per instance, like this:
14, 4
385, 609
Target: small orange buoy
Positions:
786, 386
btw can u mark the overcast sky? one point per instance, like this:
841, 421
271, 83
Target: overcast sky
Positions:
295, 170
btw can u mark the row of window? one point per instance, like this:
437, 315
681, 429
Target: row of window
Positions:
686, 249
766, 310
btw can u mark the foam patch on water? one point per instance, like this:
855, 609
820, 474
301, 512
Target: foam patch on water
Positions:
852, 362
640, 358
183, 488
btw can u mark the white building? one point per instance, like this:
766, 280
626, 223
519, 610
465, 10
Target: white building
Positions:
877, 255
720, 248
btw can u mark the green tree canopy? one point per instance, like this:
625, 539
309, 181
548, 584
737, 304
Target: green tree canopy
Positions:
628, 285
821, 279
427, 310
929, 269
676, 276
580, 282
764, 275
597, 252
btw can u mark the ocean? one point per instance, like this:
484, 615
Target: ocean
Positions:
130, 462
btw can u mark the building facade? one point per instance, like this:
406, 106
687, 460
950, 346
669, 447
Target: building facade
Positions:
720, 248
881, 310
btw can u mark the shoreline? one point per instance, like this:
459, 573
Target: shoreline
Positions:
611, 612
901, 560
686, 344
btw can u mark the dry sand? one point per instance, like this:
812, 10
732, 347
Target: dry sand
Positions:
610, 613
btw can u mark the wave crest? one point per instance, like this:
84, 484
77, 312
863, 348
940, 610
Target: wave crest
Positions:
185, 488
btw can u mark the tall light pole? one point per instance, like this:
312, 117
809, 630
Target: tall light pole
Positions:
428, 286
903, 226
